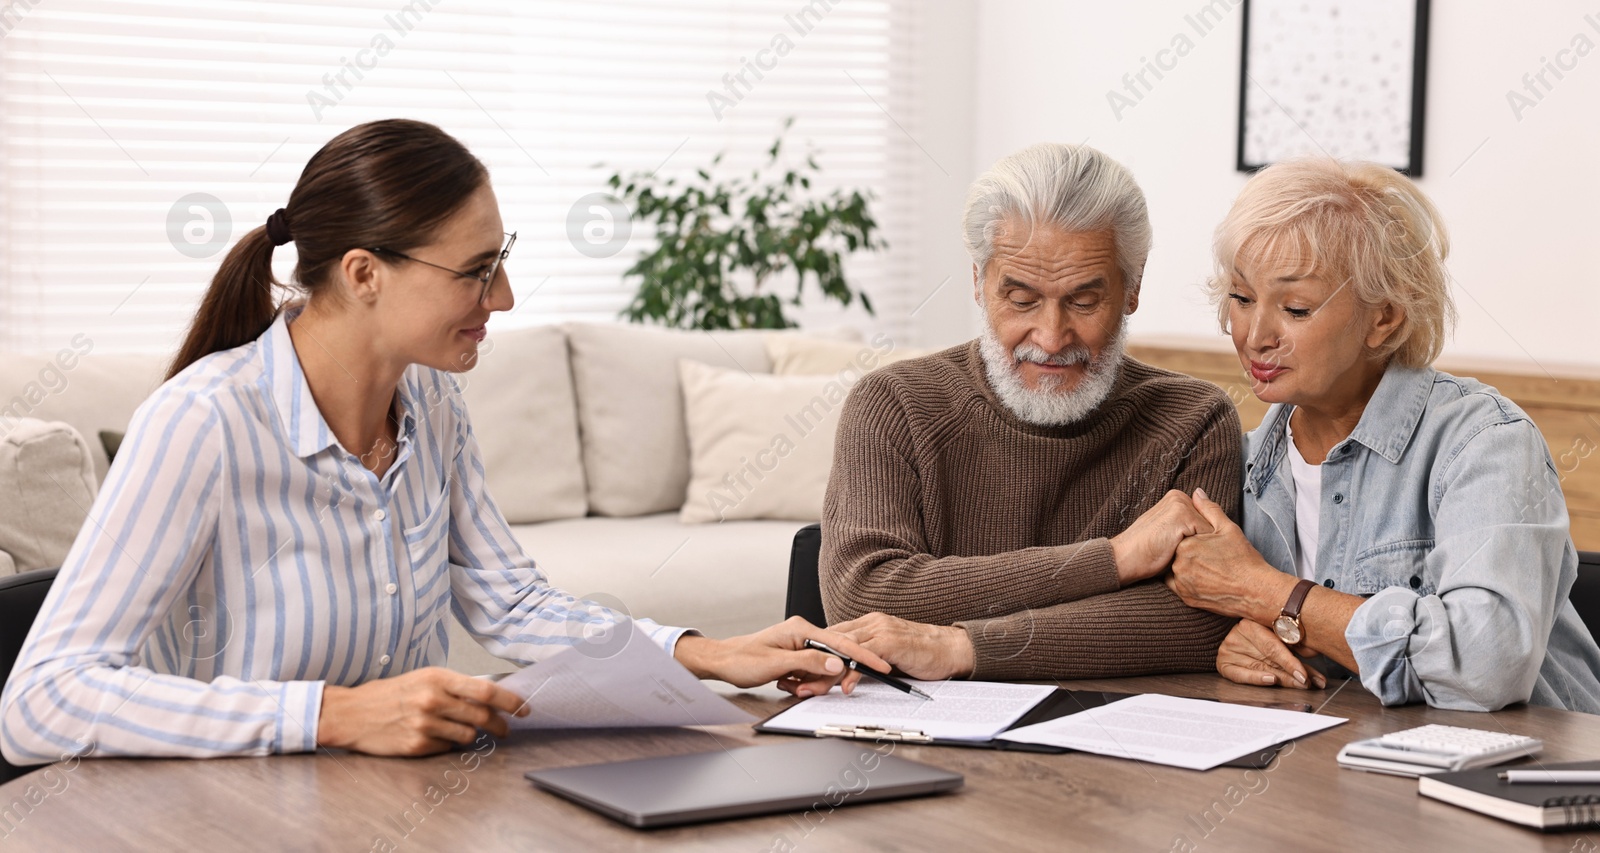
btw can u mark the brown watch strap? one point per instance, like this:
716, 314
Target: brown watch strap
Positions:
1297, 598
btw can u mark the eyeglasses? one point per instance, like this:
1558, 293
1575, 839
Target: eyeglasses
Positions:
485, 277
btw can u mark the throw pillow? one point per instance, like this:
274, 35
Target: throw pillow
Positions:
47, 483
519, 397
760, 445
630, 407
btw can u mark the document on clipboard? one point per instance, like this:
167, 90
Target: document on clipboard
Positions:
1198, 734
958, 711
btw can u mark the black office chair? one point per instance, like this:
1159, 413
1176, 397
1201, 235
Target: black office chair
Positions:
21, 596
1585, 594
805, 588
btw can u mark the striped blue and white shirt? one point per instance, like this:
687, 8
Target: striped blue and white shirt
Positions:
238, 558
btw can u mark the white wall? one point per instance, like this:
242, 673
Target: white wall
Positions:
947, 76
1522, 210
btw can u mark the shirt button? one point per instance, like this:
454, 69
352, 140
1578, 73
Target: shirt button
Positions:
391, 588
1328, 583
380, 515
1416, 582
1338, 499
385, 660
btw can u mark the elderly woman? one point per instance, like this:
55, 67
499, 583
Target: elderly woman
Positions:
1405, 523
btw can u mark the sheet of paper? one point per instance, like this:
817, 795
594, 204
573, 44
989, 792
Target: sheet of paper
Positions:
959, 710
616, 685
1190, 733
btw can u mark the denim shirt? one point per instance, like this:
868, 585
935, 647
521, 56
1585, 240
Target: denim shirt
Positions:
1443, 508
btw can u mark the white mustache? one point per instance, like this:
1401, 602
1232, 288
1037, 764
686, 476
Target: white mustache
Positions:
1035, 354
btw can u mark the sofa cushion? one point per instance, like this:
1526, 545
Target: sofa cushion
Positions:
760, 446
47, 484
630, 408
519, 396
89, 391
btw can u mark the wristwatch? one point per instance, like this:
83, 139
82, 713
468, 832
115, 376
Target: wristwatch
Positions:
1287, 625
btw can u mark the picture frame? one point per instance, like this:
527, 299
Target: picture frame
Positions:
1342, 78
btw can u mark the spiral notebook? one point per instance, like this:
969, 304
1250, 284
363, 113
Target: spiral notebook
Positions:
1546, 807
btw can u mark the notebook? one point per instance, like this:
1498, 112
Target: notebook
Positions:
751, 780
1546, 807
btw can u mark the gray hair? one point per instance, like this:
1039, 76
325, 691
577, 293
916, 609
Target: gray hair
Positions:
1072, 187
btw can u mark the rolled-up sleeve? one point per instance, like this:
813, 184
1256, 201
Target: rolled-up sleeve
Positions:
1497, 566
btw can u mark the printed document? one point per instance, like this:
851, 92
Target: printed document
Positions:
1191, 733
959, 710
615, 685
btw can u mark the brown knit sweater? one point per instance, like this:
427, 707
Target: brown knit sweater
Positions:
944, 508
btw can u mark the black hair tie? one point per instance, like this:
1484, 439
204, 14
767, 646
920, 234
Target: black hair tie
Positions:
278, 227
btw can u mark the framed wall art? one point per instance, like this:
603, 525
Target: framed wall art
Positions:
1345, 78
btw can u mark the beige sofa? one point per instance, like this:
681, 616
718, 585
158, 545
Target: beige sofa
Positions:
582, 432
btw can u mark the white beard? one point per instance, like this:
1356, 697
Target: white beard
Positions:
1049, 405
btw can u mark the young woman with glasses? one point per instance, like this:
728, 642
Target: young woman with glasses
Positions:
297, 512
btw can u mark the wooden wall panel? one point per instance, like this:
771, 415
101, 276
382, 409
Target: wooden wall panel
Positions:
1564, 404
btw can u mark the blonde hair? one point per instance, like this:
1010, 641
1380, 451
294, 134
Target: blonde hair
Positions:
1361, 224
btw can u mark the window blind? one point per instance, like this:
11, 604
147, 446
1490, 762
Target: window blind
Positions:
141, 139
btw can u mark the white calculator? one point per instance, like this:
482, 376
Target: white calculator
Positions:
1435, 749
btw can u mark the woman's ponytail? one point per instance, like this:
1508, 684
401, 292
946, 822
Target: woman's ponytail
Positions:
390, 183
238, 306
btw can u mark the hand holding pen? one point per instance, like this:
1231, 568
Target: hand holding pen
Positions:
884, 678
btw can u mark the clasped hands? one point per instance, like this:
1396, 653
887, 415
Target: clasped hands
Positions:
1215, 568
1212, 567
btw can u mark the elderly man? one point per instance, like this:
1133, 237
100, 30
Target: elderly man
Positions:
1001, 509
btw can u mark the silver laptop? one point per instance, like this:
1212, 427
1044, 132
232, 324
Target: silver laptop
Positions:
822, 774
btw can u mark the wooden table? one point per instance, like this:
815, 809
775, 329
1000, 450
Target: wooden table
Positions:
479, 800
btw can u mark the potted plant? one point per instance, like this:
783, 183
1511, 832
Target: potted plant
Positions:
721, 242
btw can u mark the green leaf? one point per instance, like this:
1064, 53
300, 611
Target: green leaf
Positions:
710, 268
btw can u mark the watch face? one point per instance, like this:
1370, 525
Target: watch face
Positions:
1288, 630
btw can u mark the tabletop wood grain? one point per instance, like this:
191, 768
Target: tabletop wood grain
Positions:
477, 799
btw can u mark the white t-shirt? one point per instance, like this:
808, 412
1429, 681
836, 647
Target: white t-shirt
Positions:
1307, 509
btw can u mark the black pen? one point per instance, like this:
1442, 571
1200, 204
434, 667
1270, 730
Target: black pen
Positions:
868, 671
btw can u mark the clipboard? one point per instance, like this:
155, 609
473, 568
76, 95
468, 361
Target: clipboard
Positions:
1060, 703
